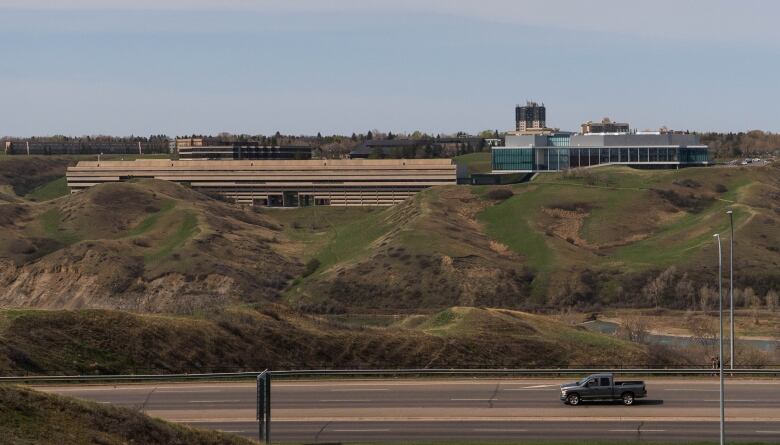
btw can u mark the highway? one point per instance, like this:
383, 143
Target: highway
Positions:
424, 409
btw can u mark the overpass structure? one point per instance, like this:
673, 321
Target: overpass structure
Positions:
282, 183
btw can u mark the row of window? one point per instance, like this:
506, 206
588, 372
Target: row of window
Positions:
552, 159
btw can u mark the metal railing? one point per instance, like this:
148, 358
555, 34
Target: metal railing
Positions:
381, 373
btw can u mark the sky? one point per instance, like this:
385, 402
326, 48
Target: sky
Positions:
177, 67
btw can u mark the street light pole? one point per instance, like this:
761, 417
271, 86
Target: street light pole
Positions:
720, 343
731, 290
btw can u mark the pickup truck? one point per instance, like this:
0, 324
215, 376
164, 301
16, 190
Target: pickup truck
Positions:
602, 387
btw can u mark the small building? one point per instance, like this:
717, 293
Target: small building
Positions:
202, 149
605, 126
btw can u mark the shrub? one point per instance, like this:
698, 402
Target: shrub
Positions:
311, 266
720, 188
500, 194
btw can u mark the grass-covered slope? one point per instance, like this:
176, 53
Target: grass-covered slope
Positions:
109, 342
428, 252
29, 417
603, 233
148, 245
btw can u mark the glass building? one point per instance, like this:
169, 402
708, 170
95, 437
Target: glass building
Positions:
561, 151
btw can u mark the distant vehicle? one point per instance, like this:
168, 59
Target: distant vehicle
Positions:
602, 387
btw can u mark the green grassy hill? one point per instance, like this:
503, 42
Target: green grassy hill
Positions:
275, 337
429, 252
587, 238
147, 245
33, 418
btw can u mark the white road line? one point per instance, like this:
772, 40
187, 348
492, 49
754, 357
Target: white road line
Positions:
499, 430
213, 401
367, 430
634, 431
732, 400
691, 390
539, 386
526, 389
768, 432
359, 389
471, 400
343, 400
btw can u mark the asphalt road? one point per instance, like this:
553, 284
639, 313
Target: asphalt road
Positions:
371, 410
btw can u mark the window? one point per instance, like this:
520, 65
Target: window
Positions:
605, 381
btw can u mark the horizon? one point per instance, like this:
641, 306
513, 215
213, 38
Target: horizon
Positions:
206, 67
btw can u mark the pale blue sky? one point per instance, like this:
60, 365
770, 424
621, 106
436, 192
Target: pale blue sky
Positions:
203, 66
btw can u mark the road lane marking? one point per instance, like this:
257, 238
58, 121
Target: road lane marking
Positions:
526, 389
213, 401
359, 389
539, 386
768, 432
635, 430
343, 400
366, 430
499, 430
472, 400
691, 390
733, 400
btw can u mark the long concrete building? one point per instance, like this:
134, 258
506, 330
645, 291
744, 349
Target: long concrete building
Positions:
285, 183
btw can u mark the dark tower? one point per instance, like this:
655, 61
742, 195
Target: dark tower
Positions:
532, 115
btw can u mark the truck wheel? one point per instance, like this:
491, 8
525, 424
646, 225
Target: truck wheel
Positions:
573, 399
628, 398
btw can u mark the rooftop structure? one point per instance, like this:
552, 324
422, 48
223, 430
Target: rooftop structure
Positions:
605, 126
354, 182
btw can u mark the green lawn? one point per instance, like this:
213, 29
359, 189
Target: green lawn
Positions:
145, 225
51, 221
50, 190
186, 230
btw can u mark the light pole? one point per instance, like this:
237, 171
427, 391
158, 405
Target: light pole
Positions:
720, 343
731, 290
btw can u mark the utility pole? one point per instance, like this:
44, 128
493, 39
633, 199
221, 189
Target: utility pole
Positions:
731, 289
720, 344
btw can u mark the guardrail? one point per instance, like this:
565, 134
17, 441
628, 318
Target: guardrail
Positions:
381, 373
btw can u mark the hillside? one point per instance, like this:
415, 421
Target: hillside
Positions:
148, 245
275, 337
600, 237
634, 237
429, 252
595, 238
33, 418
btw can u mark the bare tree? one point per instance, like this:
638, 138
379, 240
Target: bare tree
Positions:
771, 300
635, 328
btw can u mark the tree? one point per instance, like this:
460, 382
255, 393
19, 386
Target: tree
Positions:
369, 135
771, 300
707, 296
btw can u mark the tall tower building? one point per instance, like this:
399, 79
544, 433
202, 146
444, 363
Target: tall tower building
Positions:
531, 116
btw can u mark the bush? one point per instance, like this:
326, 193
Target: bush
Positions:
311, 266
500, 194
720, 188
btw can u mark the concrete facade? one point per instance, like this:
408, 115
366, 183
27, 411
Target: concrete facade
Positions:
353, 182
